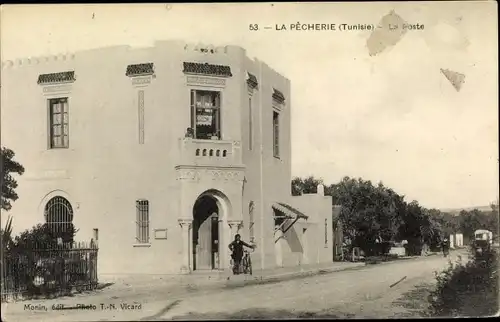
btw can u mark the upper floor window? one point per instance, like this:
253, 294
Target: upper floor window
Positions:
205, 115
142, 221
276, 134
58, 123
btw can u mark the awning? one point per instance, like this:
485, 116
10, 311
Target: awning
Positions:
252, 80
288, 212
61, 77
140, 69
207, 69
278, 96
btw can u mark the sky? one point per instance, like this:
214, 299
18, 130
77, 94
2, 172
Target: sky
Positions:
392, 117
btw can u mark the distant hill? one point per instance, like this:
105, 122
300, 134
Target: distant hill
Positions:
456, 211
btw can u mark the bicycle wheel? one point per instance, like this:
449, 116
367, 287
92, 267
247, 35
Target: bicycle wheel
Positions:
244, 265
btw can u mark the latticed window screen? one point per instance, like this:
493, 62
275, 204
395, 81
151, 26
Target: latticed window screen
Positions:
276, 134
59, 218
58, 123
142, 221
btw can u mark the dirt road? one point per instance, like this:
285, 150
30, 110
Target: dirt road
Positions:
375, 292
371, 291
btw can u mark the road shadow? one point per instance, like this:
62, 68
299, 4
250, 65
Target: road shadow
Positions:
162, 311
415, 302
259, 280
261, 314
102, 286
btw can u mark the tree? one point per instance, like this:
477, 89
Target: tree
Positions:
9, 184
369, 214
494, 206
494, 220
449, 224
470, 221
307, 185
372, 215
6, 234
40, 236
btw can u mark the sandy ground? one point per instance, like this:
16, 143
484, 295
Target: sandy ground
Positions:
371, 291
363, 293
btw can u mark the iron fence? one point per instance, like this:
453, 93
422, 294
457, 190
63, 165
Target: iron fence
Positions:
48, 270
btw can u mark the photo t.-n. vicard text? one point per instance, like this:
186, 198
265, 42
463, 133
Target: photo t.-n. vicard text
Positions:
84, 307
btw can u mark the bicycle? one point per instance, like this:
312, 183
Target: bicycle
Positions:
246, 263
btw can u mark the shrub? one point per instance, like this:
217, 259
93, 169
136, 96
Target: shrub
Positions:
42, 236
39, 263
461, 287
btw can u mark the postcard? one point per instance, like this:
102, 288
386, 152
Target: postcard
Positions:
249, 160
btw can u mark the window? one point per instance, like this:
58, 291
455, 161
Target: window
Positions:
250, 124
140, 102
142, 221
276, 135
58, 123
251, 221
59, 219
205, 114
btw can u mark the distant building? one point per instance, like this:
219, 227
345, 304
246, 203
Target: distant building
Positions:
161, 154
459, 240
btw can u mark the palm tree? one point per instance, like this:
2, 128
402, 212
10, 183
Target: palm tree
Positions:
6, 244
7, 234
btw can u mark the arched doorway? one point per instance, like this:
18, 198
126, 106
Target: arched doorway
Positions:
206, 239
59, 218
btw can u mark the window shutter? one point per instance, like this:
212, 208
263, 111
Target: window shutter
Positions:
276, 134
193, 112
217, 116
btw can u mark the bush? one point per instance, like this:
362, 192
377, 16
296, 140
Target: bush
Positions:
467, 290
381, 258
43, 236
384, 248
414, 248
37, 263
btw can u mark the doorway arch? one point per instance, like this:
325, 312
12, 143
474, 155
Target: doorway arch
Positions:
210, 210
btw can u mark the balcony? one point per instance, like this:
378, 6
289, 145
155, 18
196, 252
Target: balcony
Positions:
218, 153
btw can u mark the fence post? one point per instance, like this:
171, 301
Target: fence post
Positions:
48, 267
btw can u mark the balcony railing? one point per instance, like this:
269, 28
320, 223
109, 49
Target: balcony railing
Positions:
210, 152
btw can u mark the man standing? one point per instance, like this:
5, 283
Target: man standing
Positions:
446, 247
236, 247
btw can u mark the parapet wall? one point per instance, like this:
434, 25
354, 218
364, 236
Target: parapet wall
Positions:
37, 60
206, 49
187, 47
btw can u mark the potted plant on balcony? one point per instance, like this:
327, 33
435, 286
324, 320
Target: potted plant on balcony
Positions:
189, 133
215, 136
